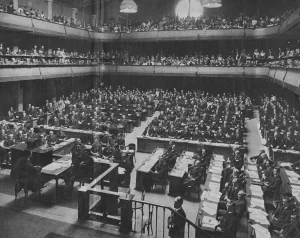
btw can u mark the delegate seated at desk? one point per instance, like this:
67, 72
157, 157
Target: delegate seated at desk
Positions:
281, 216
227, 227
193, 176
51, 138
272, 185
293, 223
96, 149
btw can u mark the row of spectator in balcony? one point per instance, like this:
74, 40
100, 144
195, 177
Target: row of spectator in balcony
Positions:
283, 58
39, 14
40, 56
166, 23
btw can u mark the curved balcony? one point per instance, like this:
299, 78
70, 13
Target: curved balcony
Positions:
287, 77
52, 29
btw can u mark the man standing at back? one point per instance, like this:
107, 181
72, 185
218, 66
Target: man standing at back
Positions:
176, 223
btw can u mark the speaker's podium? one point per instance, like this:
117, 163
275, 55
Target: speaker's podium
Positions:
42, 156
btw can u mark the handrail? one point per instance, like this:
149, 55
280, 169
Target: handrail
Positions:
172, 210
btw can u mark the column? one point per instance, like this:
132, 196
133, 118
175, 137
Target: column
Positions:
116, 11
102, 12
97, 13
93, 20
51, 89
49, 8
18, 90
16, 4
74, 12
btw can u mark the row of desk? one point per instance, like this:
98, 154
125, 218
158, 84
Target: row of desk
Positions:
148, 144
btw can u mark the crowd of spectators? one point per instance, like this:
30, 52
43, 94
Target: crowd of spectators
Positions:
166, 23
288, 57
200, 117
280, 123
284, 209
101, 109
41, 56
39, 14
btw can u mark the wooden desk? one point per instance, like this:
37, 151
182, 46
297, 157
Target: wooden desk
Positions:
84, 136
286, 155
144, 169
59, 168
148, 144
177, 174
56, 170
206, 189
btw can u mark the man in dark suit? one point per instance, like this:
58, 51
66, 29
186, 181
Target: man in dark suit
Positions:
227, 227
176, 223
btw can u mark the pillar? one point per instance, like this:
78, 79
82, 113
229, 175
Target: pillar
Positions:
16, 4
116, 11
96, 82
97, 13
18, 90
93, 20
74, 12
102, 11
49, 8
258, 7
51, 89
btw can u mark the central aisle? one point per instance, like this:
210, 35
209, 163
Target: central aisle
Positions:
253, 138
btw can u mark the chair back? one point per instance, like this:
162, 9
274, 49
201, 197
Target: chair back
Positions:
131, 146
143, 195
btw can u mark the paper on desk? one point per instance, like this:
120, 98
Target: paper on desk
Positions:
218, 164
216, 178
214, 185
189, 153
257, 193
211, 205
260, 231
209, 222
257, 210
213, 197
255, 202
252, 168
219, 157
258, 218
253, 174
285, 164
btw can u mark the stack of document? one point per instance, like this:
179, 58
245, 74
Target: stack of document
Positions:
253, 174
256, 190
216, 178
261, 232
285, 164
218, 164
210, 208
213, 196
252, 168
189, 153
219, 158
209, 222
215, 170
255, 202
214, 186
258, 216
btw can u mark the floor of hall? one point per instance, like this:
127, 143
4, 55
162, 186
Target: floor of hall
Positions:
37, 219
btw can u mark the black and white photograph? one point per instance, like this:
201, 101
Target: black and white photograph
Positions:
149, 118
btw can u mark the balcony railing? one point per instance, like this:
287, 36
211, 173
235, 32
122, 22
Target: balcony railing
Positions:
22, 23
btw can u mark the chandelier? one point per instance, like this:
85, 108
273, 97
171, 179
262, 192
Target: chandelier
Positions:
128, 6
212, 3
